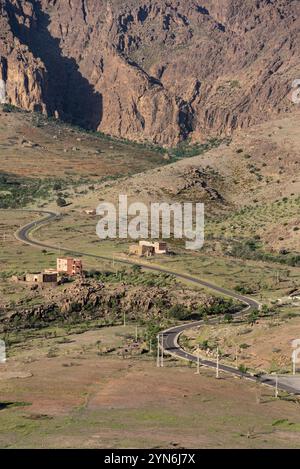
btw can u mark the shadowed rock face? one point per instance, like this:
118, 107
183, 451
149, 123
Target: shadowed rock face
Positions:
153, 70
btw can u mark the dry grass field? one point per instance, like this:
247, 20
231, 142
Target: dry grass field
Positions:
62, 392
265, 346
32, 146
66, 387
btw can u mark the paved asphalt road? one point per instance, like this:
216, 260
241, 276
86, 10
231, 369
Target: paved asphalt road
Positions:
170, 336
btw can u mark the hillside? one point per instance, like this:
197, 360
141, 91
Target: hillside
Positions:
250, 186
162, 71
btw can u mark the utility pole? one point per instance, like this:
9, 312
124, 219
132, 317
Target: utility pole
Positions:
136, 333
217, 369
236, 357
294, 362
150, 345
124, 319
198, 361
158, 351
162, 351
276, 387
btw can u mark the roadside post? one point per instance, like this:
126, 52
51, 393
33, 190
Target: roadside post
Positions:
198, 361
294, 362
162, 351
217, 368
158, 352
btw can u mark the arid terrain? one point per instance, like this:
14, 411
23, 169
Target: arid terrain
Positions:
66, 392
98, 360
162, 101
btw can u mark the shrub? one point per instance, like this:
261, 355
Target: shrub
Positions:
228, 317
57, 186
10, 108
243, 368
61, 202
253, 317
178, 312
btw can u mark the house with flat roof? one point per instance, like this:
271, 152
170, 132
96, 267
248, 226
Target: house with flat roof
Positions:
141, 250
69, 266
42, 278
160, 247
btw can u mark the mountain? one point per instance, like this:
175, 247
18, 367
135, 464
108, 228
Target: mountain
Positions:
157, 70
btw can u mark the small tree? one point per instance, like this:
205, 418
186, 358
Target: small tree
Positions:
253, 317
57, 186
178, 312
136, 269
228, 317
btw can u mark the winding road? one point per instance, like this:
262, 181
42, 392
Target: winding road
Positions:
171, 336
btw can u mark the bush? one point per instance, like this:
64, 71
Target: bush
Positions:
61, 202
243, 368
16, 192
228, 317
244, 289
10, 108
185, 150
136, 269
253, 317
178, 312
57, 186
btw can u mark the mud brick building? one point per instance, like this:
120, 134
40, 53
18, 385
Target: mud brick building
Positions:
69, 266
47, 277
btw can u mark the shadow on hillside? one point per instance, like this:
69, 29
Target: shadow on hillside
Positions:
10, 405
67, 91
5, 405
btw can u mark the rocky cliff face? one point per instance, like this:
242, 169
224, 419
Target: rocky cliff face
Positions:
23, 76
153, 70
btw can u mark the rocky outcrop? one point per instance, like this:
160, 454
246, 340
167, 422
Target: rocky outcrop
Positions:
155, 70
90, 299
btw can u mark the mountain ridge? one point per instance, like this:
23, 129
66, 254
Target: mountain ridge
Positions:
154, 70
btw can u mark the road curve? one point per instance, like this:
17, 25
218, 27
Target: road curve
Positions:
170, 336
